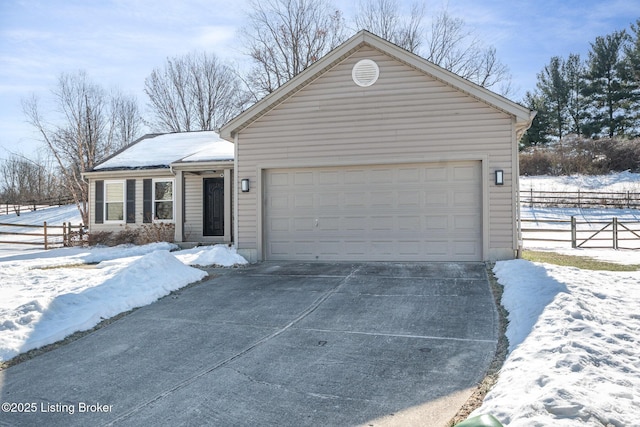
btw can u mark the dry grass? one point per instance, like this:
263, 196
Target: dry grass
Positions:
581, 262
475, 401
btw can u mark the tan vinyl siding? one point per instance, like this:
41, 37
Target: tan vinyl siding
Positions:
192, 207
107, 226
405, 117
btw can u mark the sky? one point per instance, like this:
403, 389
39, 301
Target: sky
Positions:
119, 42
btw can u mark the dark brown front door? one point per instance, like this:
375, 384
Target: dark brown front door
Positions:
213, 207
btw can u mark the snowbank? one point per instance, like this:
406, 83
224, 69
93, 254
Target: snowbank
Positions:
220, 255
574, 358
45, 299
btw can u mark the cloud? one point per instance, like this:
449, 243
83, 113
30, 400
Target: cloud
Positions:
214, 35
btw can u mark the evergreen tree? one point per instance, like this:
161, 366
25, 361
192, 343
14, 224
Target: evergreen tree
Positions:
538, 133
574, 70
606, 88
554, 89
632, 52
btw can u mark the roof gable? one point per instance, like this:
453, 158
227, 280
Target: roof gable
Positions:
522, 115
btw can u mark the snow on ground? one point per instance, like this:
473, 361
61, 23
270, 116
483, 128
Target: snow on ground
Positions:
219, 255
614, 182
48, 295
573, 338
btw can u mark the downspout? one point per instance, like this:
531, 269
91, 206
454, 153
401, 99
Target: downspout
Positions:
234, 218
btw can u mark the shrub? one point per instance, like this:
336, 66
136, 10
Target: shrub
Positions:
156, 232
125, 236
536, 162
99, 238
147, 233
580, 155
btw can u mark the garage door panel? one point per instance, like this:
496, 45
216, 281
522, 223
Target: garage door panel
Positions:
382, 223
278, 179
279, 202
408, 175
437, 223
328, 178
408, 212
356, 223
410, 223
435, 248
436, 199
329, 200
357, 177
466, 223
436, 174
329, 224
303, 178
354, 199
303, 201
464, 173
303, 224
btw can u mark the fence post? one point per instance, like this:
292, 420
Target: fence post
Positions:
81, 232
579, 202
573, 232
615, 233
531, 198
45, 236
65, 235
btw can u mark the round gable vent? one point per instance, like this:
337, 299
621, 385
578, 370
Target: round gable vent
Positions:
365, 72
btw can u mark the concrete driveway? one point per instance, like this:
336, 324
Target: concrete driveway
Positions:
275, 344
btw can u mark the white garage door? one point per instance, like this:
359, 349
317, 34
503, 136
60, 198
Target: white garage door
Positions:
418, 212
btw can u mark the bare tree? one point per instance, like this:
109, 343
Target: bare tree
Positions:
25, 181
193, 92
126, 120
84, 132
383, 18
283, 37
450, 45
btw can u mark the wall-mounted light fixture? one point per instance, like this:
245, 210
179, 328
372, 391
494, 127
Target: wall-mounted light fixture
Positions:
499, 177
245, 185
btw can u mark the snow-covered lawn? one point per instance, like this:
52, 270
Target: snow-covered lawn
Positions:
48, 295
573, 341
574, 335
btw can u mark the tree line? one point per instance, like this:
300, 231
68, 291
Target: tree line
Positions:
592, 98
199, 91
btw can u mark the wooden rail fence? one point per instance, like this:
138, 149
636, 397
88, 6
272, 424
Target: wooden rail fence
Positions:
583, 234
7, 207
48, 236
580, 199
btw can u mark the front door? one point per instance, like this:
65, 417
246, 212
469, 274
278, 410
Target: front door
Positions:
213, 207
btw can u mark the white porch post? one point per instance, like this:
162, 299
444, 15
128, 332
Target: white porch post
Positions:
179, 208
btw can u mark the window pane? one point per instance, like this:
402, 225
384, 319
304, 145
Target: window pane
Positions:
164, 190
115, 192
115, 211
164, 210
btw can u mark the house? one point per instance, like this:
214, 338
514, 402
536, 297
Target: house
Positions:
372, 153
183, 179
